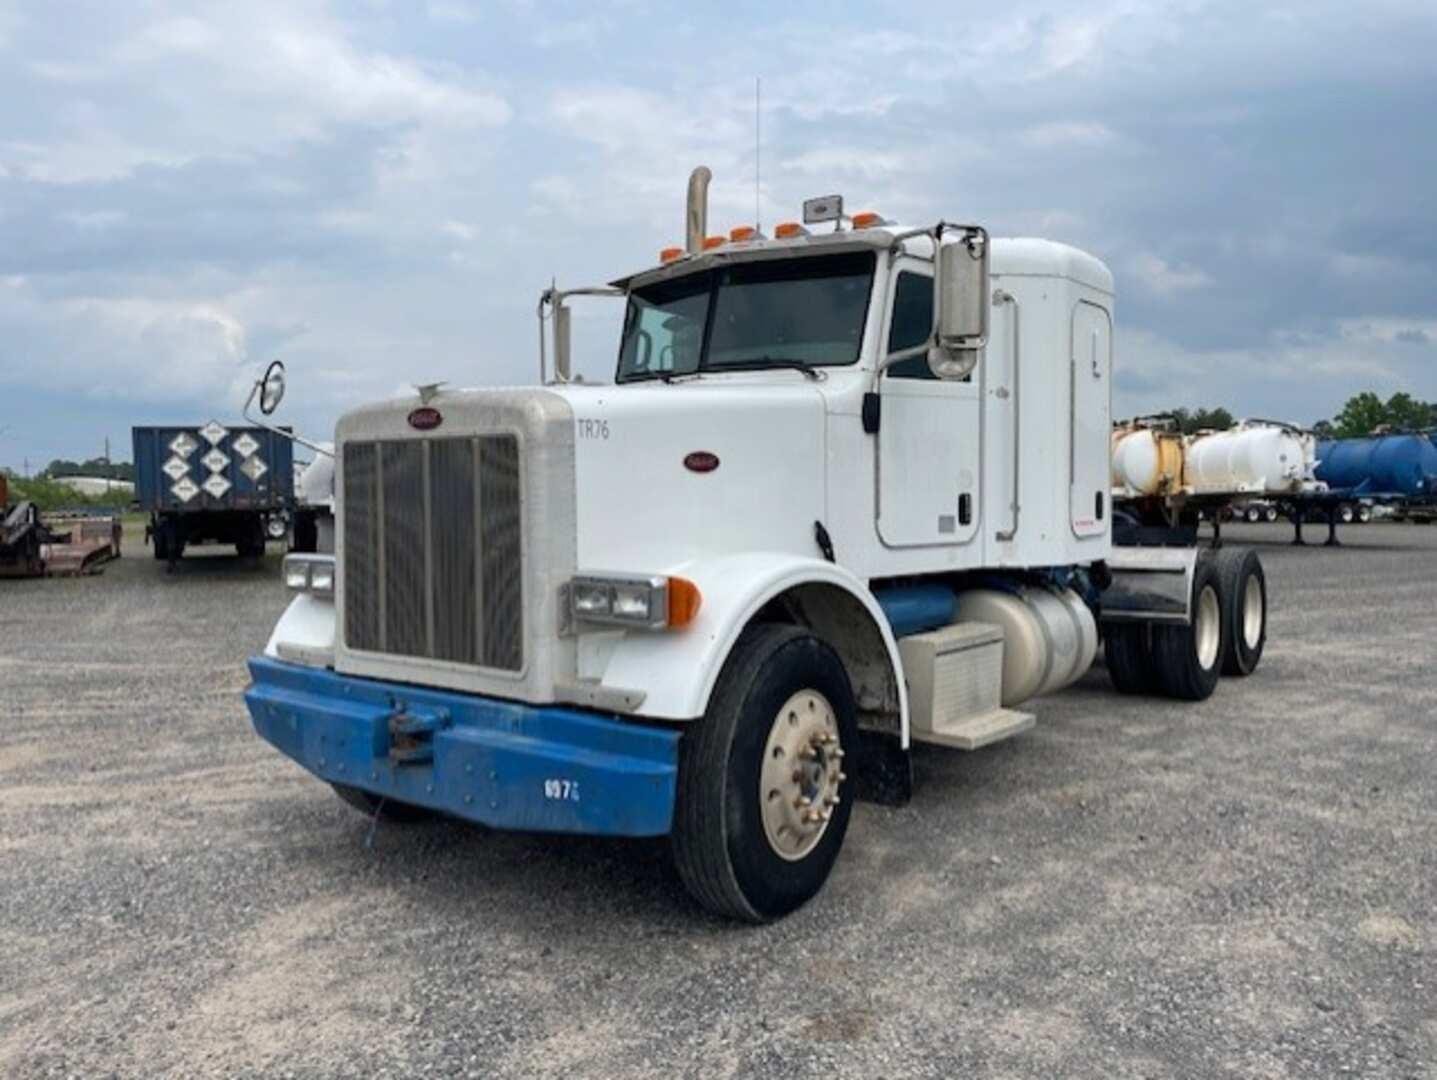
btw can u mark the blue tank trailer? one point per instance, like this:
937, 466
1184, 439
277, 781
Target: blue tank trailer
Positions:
1398, 469
211, 484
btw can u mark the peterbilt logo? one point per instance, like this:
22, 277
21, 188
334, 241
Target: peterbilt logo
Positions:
425, 418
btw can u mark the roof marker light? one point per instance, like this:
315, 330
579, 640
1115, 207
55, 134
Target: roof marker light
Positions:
788, 230
868, 219
745, 234
669, 254
711, 242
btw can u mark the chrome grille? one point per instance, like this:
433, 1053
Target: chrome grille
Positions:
433, 562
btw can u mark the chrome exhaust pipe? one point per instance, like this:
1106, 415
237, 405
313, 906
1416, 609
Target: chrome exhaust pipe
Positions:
698, 209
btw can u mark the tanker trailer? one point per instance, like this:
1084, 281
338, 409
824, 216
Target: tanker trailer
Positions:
1399, 468
1165, 483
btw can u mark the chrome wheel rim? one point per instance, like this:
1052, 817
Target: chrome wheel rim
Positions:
801, 774
1207, 627
1252, 612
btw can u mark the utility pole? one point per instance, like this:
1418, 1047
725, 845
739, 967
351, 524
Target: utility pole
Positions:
107, 450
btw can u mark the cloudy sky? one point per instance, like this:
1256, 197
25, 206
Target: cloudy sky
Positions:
376, 192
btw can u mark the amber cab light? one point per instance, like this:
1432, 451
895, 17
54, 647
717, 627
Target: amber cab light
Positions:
669, 254
789, 229
711, 242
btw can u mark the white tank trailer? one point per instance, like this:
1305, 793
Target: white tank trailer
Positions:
1165, 482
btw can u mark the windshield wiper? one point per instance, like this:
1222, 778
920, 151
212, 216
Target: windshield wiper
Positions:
758, 363
650, 376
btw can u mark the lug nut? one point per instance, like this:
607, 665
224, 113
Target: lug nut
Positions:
832, 800
841, 777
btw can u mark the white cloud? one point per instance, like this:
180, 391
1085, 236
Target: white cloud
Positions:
1049, 136
1154, 275
266, 72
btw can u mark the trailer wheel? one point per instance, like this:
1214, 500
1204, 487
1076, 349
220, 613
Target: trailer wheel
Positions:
763, 802
1345, 514
1128, 650
1270, 514
1253, 514
401, 813
1243, 586
1364, 514
1187, 660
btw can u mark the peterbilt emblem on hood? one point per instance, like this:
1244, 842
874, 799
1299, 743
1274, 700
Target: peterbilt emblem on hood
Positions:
425, 418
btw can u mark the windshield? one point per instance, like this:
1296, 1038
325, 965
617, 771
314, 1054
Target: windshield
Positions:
805, 312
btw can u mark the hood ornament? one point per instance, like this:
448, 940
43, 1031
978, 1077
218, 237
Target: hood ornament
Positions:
428, 391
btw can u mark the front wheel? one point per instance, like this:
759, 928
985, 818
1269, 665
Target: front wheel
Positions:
763, 802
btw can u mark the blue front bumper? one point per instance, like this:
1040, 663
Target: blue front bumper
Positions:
509, 766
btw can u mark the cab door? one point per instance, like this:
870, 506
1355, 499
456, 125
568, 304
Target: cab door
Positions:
929, 433
1089, 475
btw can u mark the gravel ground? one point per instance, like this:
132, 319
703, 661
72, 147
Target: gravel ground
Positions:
1135, 888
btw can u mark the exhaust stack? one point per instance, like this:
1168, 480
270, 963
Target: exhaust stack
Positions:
698, 209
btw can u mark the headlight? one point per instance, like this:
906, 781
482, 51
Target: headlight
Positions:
652, 603
310, 573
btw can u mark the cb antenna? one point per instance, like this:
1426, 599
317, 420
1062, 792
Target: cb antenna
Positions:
757, 97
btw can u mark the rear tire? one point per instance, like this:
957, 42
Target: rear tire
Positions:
1128, 649
1253, 514
400, 813
1188, 659
743, 840
1243, 588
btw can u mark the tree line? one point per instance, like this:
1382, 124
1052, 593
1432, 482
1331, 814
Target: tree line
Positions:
1364, 414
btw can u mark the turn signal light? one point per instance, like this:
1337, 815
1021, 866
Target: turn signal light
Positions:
789, 229
684, 601
711, 242
669, 254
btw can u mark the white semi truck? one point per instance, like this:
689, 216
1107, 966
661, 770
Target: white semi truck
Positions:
848, 490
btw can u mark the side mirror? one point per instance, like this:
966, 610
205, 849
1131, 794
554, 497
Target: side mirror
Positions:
961, 288
271, 388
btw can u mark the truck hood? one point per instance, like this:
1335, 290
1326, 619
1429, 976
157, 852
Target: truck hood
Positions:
667, 474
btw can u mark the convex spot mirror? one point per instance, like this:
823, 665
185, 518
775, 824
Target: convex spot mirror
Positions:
961, 297
271, 388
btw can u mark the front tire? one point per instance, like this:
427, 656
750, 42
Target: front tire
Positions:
763, 802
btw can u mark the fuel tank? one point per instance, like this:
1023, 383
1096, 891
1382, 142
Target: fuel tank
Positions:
1380, 464
1253, 456
1049, 637
1146, 461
